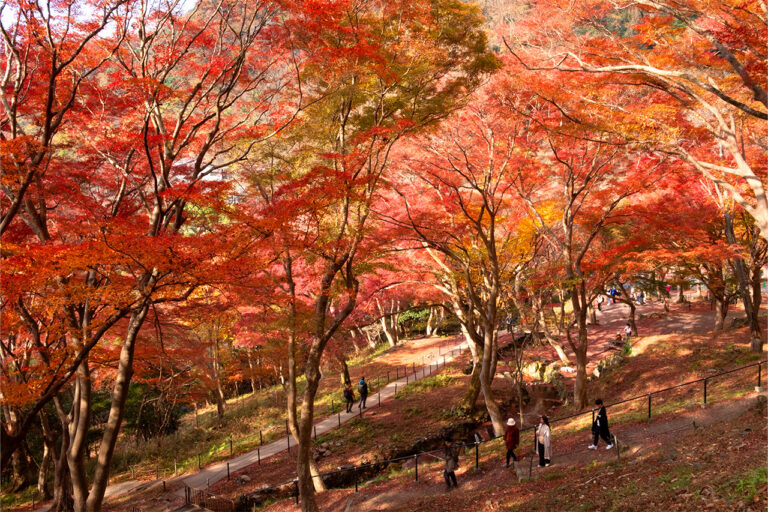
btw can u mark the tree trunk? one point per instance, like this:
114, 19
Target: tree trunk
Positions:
62, 485
250, 370
680, 293
389, 326
756, 344
116, 410
486, 378
578, 299
42, 473
78, 424
751, 310
592, 316
580, 384
631, 319
430, 321
353, 338
469, 402
344, 370
721, 311
19, 468
309, 482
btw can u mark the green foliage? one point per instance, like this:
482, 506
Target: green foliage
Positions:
148, 414
413, 314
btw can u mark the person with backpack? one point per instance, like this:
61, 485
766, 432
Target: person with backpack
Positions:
600, 427
362, 388
511, 440
349, 396
543, 442
451, 463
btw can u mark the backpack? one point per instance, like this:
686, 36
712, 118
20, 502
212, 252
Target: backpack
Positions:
362, 388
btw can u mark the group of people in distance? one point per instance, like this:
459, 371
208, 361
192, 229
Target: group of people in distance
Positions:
543, 443
349, 395
543, 435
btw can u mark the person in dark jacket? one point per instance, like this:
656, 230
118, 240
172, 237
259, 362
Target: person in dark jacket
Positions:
600, 427
511, 440
362, 388
451, 463
349, 396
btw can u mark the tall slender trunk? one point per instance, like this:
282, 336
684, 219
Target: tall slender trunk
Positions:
252, 375
116, 410
42, 473
389, 326
78, 424
218, 392
632, 315
486, 378
751, 309
430, 321
469, 402
578, 300
308, 473
62, 483
344, 369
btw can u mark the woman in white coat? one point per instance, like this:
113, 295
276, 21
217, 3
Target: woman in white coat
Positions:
543, 442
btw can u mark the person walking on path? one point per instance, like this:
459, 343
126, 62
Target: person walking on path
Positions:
349, 396
600, 427
543, 442
362, 388
451, 463
511, 440
600, 300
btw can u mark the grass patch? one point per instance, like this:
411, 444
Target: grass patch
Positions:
677, 479
8, 500
555, 475
424, 385
748, 486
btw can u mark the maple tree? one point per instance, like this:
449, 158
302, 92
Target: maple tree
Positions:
691, 69
196, 195
146, 153
49, 52
380, 70
459, 202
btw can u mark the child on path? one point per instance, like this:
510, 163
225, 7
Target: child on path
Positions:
543, 442
349, 396
627, 332
511, 440
451, 463
600, 427
362, 388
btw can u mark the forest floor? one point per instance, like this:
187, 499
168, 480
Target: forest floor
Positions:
672, 348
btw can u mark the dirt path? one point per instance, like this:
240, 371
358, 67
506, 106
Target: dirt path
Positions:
636, 440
